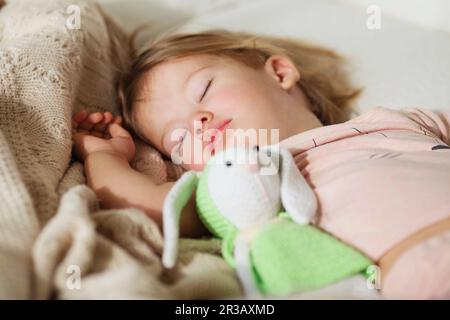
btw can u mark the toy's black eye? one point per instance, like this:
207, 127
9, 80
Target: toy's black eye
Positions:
228, 163
256, 148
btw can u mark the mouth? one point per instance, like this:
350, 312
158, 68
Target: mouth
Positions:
217, 135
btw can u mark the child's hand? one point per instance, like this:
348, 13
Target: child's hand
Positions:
100, 132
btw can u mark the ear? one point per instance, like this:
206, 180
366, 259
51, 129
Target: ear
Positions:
175, 201
297, 197
283, 70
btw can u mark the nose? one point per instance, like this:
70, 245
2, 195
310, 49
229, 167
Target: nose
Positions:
200, 119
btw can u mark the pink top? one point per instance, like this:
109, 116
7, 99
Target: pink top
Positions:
379, 177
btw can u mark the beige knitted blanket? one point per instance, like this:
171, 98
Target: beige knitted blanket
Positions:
54, 240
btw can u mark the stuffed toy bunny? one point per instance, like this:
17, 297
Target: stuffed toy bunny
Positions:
259, 204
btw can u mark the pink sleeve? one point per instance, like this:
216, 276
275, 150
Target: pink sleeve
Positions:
436, 122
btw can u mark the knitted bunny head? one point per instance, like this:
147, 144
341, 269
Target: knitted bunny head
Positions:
235, 186
239, 188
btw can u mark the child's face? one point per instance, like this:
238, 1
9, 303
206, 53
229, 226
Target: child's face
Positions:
196, 98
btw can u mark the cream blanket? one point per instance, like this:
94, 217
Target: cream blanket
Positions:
54, 240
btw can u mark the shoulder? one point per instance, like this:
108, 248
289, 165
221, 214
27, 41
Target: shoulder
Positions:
380, 113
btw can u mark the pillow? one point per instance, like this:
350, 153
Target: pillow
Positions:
399, 65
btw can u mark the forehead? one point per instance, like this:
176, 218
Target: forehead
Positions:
170, 74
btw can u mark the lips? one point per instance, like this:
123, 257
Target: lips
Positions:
219, 129
221, 125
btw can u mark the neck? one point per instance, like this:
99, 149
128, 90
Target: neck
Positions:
304, 118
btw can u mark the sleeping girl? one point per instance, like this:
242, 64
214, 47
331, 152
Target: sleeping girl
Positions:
382, 179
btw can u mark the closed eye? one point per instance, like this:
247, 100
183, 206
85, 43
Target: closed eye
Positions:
206, 89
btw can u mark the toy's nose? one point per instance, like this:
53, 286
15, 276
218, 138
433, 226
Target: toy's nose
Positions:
253, 167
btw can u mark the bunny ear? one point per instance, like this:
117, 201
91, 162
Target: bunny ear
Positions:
175, 201
297, 197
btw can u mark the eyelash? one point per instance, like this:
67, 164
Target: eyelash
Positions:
206, 89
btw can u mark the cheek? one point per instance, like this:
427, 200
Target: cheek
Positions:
153, 125
250, 107
242, 97
193, 154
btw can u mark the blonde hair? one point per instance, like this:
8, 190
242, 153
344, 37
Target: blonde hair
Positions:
322, 79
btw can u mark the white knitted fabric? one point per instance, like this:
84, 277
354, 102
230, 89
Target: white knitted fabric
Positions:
50, 225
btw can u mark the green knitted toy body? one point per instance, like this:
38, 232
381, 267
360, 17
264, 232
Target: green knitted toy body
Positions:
288, 257
285, 256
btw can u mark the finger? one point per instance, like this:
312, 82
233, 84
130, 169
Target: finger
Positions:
95, 117
85, 125
91, 120
79, 117
101, 127
116, 130
108, 116
74, 124
117, 119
